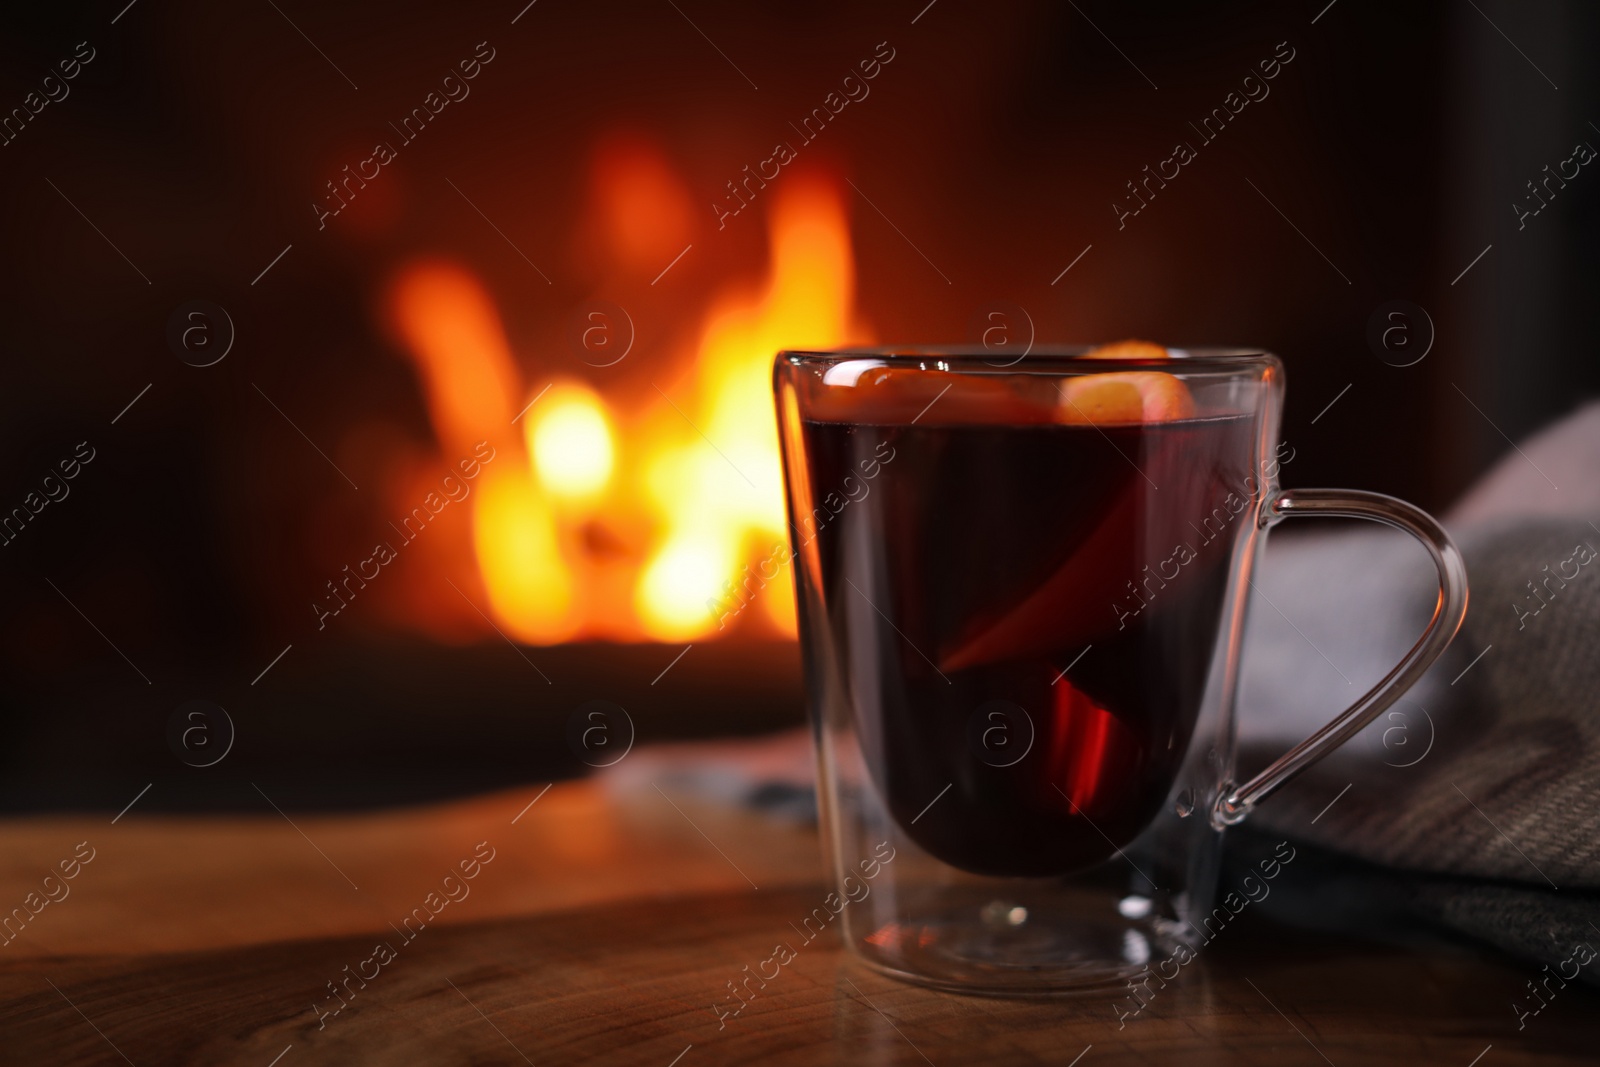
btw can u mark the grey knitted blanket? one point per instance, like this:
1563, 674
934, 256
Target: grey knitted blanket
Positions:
1475, 801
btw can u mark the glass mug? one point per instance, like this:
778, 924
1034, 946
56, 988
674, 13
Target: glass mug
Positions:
1021, 595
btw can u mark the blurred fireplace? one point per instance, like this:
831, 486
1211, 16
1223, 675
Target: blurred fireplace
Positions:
577, 517
625, 488
583, 525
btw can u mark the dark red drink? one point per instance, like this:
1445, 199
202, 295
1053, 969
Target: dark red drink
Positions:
969, 574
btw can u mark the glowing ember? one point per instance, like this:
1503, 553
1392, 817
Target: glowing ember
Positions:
569, 436
520, 558
686, 572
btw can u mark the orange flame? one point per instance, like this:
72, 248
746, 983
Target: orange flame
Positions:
643, 523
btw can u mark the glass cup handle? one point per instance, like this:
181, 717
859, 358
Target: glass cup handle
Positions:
1235, 802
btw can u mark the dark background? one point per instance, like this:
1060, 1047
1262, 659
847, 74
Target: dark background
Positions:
195, 141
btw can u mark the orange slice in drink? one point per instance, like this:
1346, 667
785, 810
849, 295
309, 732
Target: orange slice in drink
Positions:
1132, 396
1129, 349
1127, 396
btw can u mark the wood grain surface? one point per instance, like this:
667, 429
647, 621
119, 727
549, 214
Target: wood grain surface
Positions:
603, 929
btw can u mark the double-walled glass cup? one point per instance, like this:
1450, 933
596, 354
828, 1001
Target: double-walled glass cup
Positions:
1021, 594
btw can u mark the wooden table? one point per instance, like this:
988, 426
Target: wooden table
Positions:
601, 931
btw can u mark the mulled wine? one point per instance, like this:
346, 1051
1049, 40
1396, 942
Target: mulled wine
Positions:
1023, 612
